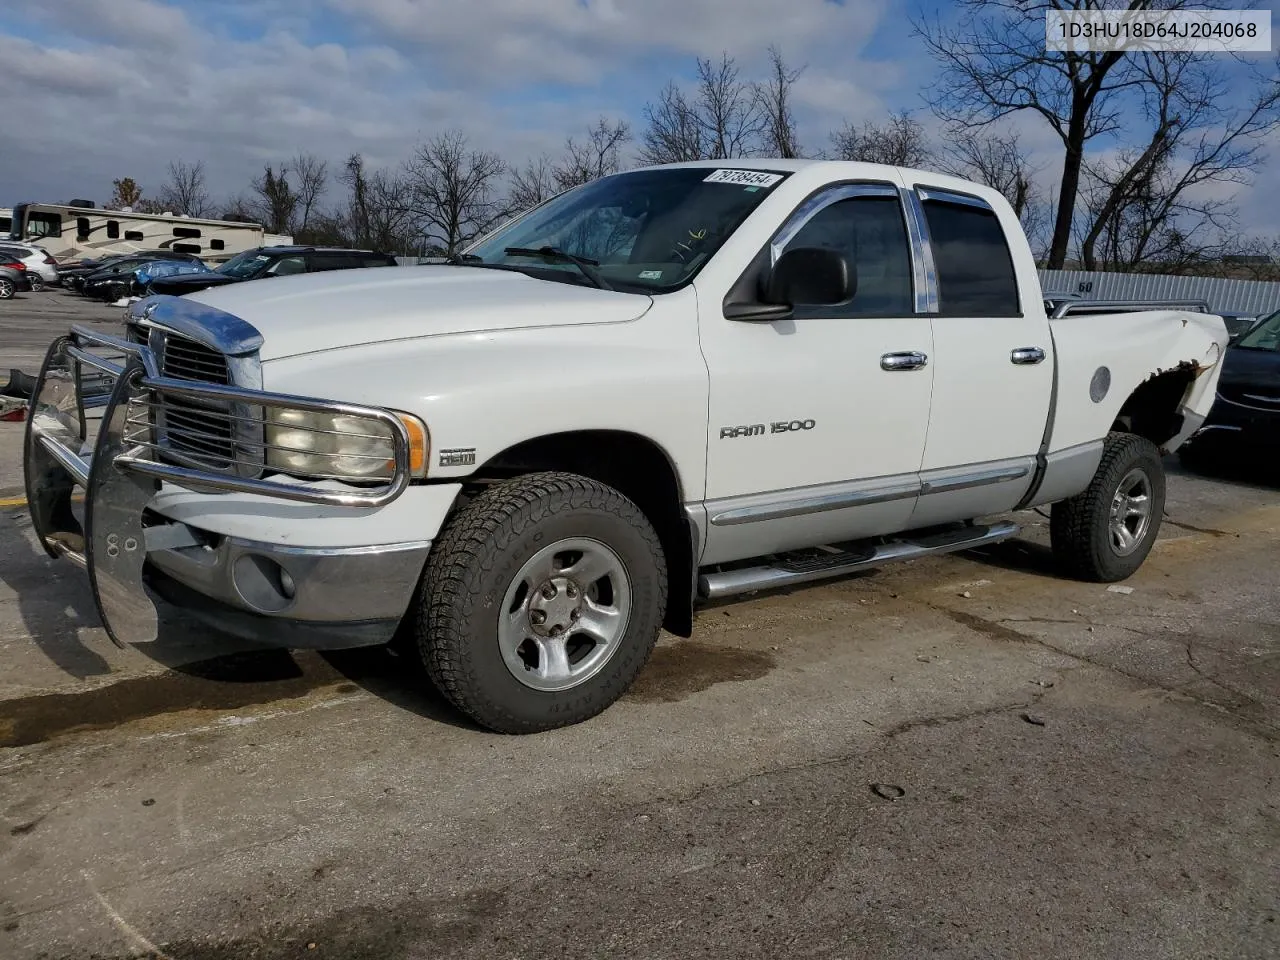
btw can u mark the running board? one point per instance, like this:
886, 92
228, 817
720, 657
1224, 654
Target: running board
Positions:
786, 572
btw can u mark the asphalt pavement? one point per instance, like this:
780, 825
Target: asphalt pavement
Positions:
967, 756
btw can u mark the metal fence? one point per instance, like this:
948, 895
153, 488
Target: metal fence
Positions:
1254, 297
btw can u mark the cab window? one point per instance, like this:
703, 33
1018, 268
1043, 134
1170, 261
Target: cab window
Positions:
872, 234
971, 255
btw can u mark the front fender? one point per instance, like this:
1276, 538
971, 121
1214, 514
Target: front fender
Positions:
484, 392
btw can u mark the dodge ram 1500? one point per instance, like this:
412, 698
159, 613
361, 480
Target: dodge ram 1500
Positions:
670, 385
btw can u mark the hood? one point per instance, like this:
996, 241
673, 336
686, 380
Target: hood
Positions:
210, 278
112, 273
345, 308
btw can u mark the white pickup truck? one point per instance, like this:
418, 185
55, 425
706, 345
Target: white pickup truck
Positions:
671, 385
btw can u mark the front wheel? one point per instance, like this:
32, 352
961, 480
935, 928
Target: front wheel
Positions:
1105, 533
541, 602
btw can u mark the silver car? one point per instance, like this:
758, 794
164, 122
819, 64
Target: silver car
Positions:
35, 259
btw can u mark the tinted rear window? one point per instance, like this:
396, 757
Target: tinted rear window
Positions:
975, 269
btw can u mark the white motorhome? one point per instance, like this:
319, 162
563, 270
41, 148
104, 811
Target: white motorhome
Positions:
70, 231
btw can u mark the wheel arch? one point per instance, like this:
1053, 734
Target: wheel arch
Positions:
1153, 409
640, 469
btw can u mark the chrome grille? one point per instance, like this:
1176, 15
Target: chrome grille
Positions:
184, 359
205, 433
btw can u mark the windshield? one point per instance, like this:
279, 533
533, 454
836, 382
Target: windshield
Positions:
645, 231
1264, 336
244, 265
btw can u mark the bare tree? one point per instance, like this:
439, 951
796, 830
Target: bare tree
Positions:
312, 177
596, 156
673, 134
531, 185
995, 63
127, 193
1144, 202
900, 141
451, 189
773, 100
994, 160
722, 120
240, 209
378, 214
277, 201
184, 191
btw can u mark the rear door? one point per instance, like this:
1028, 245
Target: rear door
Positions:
993, 364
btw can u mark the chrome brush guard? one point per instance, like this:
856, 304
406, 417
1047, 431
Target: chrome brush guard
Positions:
92, 379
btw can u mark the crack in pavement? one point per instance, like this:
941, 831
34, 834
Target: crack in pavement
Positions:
1220, 684
948, 718
998, 631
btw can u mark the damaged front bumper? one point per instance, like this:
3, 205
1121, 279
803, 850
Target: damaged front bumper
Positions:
93, 426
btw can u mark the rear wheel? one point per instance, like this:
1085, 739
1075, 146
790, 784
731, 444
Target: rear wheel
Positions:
1105, 533
7, 288
37, 282
541, 602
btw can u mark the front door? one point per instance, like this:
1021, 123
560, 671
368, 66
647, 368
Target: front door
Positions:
818, 423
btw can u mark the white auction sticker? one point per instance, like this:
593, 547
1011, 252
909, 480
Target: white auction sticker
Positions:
1207, 31
744, 178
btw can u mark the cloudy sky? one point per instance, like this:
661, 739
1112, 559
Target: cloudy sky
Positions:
99, 89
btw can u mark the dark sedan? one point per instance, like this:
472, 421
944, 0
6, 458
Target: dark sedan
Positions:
1245, 417
114, 280
272, 262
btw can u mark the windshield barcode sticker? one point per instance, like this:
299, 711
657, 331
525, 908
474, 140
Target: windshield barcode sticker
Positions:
744, 178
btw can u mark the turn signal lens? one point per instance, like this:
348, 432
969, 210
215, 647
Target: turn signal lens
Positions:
419, 444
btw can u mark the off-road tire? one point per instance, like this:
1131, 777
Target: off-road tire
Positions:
473, 562
1080, 527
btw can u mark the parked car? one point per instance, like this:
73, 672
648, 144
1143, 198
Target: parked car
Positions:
115, 280
14, 278
1245, 418
667, 386
1238, 324
74, 274
144, 275
274, 262
35, 260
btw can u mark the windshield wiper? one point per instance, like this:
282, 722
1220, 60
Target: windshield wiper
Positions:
555, 253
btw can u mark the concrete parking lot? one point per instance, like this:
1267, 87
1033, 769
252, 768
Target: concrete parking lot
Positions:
960, 757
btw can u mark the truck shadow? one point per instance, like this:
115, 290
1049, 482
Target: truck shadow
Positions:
52, 618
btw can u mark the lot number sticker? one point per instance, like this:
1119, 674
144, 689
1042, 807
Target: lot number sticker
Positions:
744, 178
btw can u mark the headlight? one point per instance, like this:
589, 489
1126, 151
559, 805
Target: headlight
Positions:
337, 445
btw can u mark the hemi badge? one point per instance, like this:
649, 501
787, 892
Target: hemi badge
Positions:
458, 457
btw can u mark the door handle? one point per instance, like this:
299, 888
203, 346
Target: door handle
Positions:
1026, 355
904, 360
